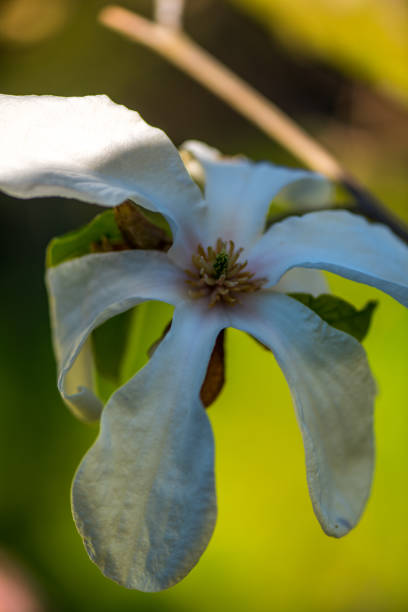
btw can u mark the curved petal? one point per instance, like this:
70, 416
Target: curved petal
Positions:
333, 392
238, 193
94, 150
143, 497
302, 280
337, 241
78, 384
306, 195
87, 291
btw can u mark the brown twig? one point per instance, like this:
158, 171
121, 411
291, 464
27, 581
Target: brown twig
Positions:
179, 49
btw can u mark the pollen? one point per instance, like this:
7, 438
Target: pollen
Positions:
220, 275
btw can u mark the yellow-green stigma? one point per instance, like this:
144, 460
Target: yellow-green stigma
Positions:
220, 275
220, 265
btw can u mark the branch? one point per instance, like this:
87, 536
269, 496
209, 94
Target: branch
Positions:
179, 49
169, 13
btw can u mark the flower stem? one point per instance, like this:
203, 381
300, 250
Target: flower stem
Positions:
179, 49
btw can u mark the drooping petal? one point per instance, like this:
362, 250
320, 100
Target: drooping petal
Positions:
337, 241
94, 150
87, 291
143, 497
238, 193
333, 392
302, 280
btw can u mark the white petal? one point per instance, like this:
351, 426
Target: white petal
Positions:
238, 193
333, 392
94, 150
302, 280
337, 241
78, 384
143, 497
87, 291
203, 152
307, 195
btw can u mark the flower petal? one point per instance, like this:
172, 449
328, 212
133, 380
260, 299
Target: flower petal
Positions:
337, 241
306, 195
302, 280
143, 497
94, 150
87, 291
333, 392
238, 193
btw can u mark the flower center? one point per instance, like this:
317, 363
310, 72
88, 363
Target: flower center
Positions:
219, 274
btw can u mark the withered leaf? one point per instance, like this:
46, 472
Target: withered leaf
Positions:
215, 377
137, 231
105, 245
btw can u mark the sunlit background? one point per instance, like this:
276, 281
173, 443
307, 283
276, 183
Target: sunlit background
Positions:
339, 67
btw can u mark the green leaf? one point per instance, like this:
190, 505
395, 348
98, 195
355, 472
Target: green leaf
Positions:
79, 241
340, 314
120, 346
108, 346
146, 326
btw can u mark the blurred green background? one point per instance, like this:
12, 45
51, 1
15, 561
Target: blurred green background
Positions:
340, 68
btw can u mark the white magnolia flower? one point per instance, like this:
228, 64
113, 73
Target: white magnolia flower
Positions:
143, 497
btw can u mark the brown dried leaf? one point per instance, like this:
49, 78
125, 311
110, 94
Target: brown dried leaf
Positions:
215, 377
104, 245
137, 231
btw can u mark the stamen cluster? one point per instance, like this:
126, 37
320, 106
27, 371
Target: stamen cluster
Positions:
219, 275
